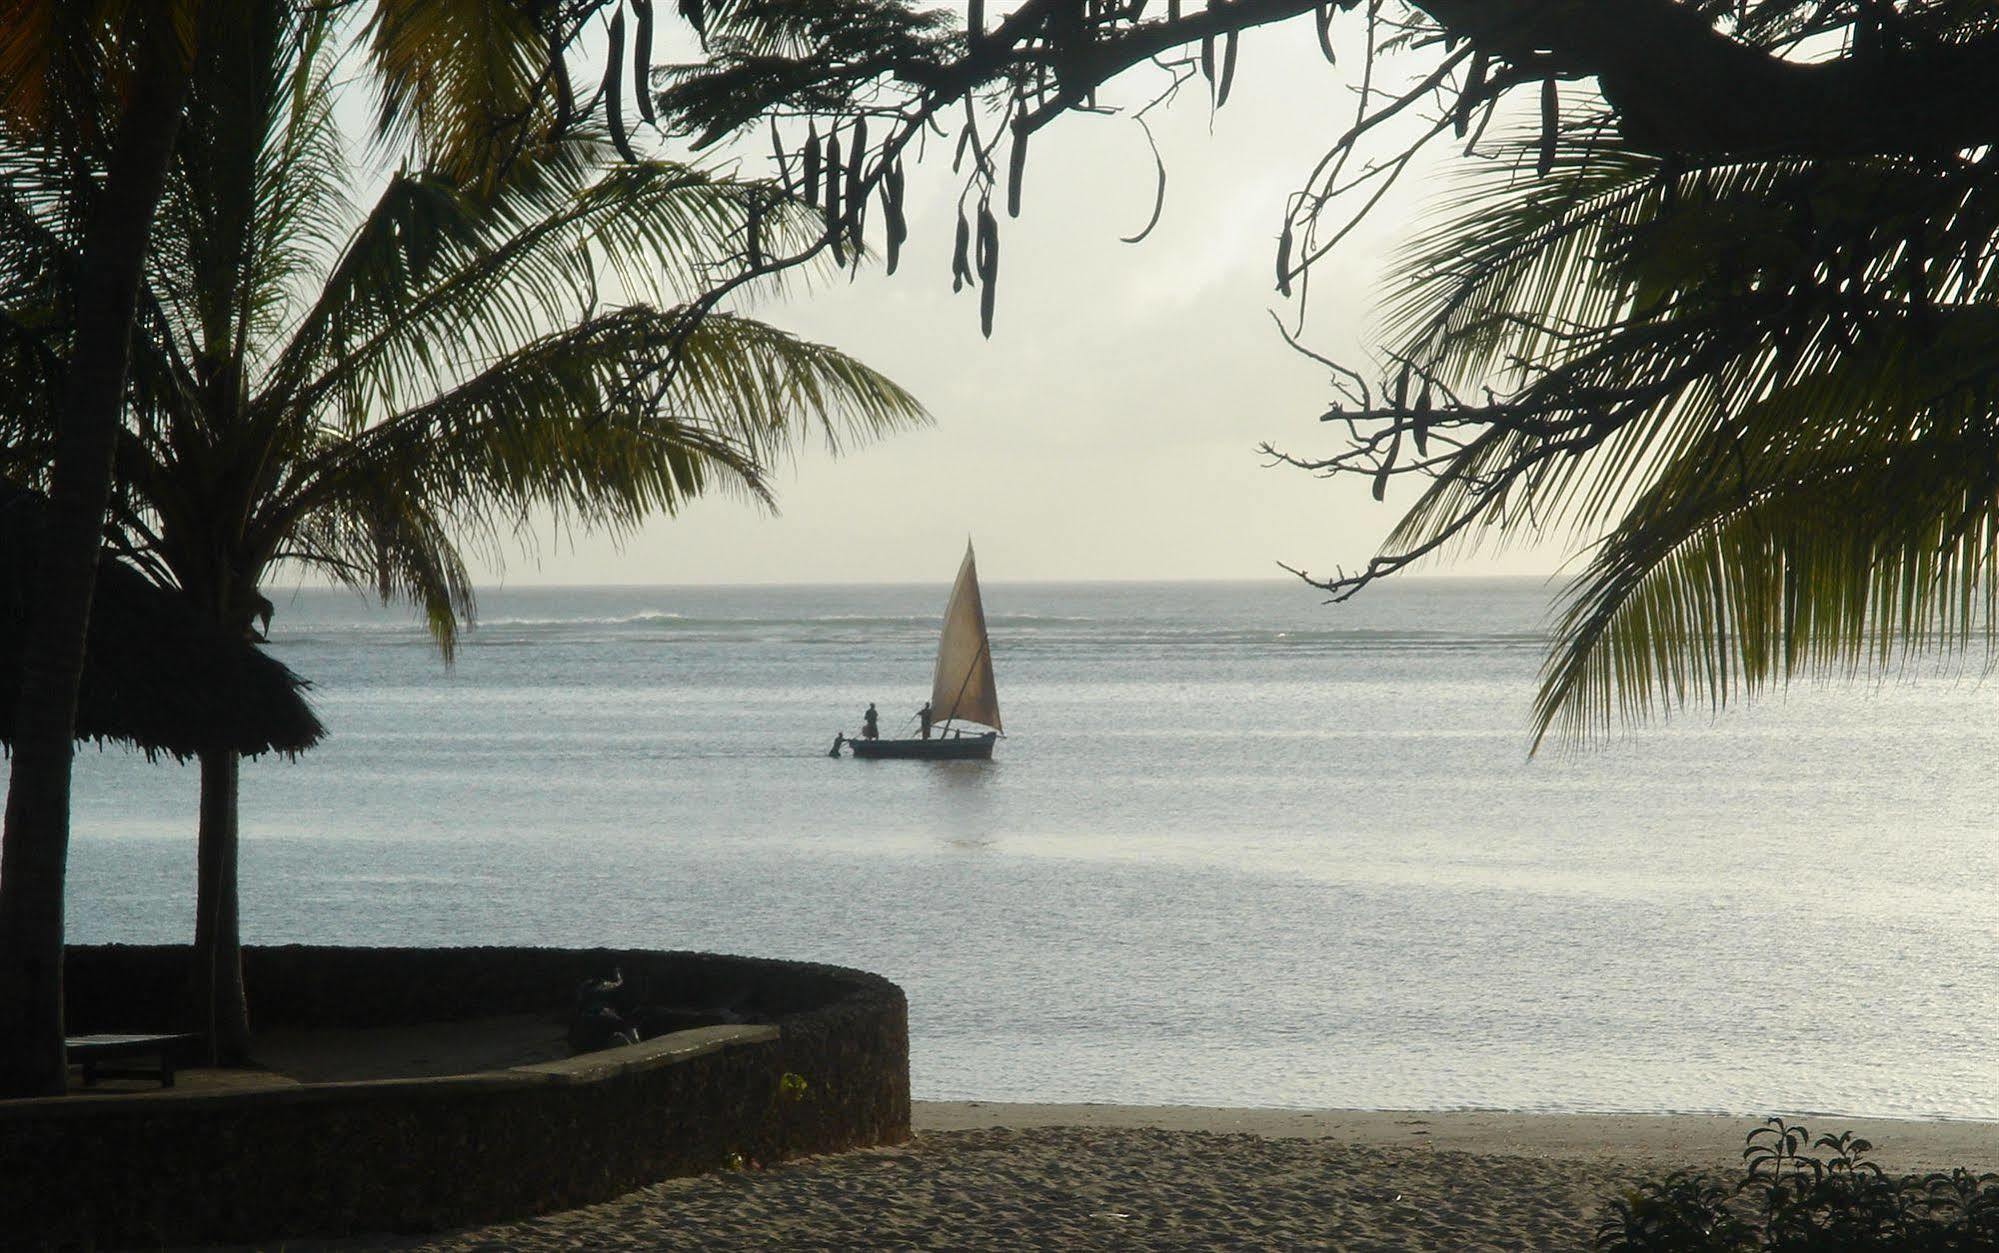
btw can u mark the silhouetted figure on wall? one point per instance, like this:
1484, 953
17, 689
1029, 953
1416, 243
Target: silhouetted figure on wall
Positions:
871, 723
597, 1021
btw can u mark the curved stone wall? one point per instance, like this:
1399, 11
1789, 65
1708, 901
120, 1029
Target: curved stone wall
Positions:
184, 1166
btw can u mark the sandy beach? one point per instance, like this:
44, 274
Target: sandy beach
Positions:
984, 1175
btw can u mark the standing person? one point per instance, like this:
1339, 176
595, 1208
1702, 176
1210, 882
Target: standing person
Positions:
923, 716
871, 723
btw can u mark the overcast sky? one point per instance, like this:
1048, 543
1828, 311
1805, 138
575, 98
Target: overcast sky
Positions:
1109, 428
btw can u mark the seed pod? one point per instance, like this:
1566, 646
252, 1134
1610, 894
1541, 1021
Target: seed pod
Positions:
642, 61
1551, 122
961, 255
975, 22
988, 266
964, 144
752, 228
987, 256
565, 91
614, 91
1016, 162
856, 197
896, 227
1228, 69
777, 156
831, 202
810, 180
1208, 58
829, 196
1387, 465
1284, 260
1400, 394
1323, 17
1469, 95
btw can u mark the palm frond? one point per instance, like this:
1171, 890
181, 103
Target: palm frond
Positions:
1687, 359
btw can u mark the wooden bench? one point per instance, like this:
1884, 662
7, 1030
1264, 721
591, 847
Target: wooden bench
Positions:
94, 1050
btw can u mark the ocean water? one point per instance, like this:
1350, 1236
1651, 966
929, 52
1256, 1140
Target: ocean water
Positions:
1238, 848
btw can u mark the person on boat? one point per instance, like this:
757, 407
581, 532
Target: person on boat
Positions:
871, 723
923, 717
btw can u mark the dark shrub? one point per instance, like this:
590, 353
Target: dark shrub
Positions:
1800, 1195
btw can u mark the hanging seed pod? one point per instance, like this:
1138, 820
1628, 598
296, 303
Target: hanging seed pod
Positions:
988, 266
830, 201
1284, 260
1468, 96
895, 226
642, 61
1208, 59
1016, 163
752, 232
1400, 395
961, 254
1228, 69
1551, 123
855, 197
975, 22
810, 179
1423, 398
964, 145
1421, 430
614, 89
565, 91
1323, 17
777, 157
1387, 466
829, 196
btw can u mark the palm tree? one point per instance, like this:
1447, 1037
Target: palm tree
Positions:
365, 393
1762, 391
109, 77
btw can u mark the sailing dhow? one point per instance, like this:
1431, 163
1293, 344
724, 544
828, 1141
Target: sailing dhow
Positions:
961, 690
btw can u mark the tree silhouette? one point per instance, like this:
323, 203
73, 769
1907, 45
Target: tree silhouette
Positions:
1713, 301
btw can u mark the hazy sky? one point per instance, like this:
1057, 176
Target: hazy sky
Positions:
1108, 430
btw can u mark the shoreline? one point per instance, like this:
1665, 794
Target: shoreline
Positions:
1639, 1140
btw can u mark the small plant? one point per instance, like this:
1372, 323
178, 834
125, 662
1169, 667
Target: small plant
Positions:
1800, 1195
792, 1087
1686, 1212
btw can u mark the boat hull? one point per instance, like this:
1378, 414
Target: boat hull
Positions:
943, 748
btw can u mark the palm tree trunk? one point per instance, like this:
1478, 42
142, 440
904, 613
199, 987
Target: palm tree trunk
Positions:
34, 848
222, 1013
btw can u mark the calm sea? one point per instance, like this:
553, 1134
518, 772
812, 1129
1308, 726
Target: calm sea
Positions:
1238, 848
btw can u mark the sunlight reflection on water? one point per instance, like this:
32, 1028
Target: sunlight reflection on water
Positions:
1239, 849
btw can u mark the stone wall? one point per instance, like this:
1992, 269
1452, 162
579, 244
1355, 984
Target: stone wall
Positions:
185, 1167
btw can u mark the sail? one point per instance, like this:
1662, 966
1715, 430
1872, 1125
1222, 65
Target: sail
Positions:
963, 687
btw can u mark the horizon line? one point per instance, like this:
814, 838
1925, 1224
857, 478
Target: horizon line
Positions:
1273, 580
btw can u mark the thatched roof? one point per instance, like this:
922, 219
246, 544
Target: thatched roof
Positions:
155, 673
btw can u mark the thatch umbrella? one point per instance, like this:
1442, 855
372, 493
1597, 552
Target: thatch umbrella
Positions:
155, 673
